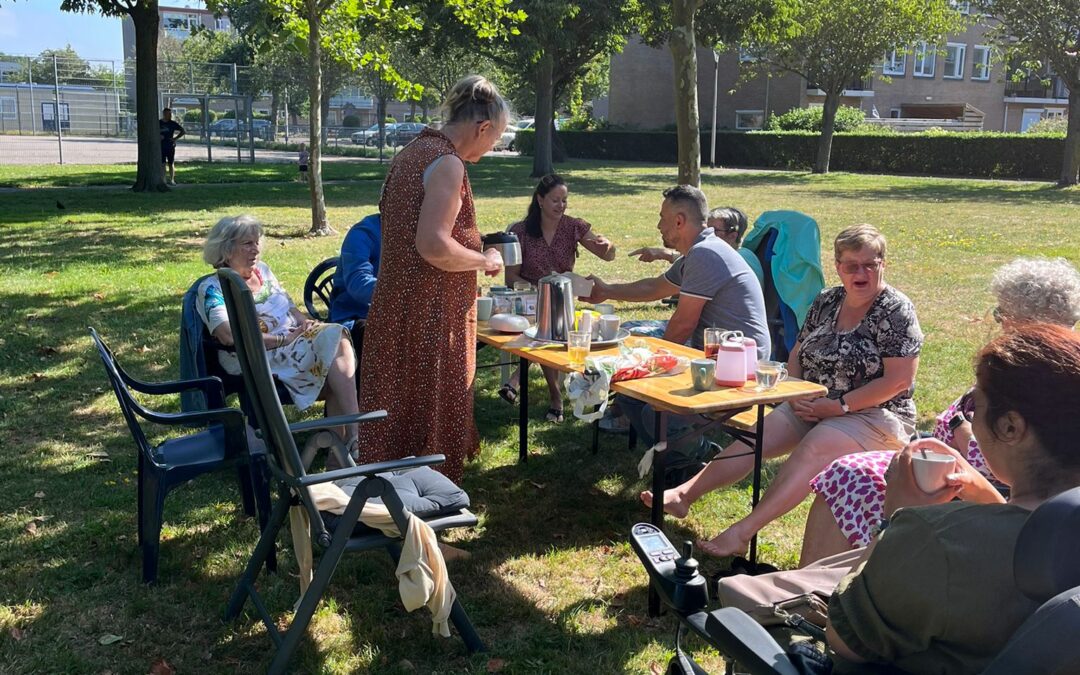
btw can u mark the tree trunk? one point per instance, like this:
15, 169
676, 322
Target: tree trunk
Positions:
275, 103
544, 123
684, 53
1070, 166
412, 111
149, 174
319, 224
381, 112
828, 123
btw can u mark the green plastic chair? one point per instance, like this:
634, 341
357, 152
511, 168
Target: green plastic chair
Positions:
289, 470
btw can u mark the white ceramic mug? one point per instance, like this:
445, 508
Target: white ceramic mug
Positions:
484, 306
609, 327
931, 468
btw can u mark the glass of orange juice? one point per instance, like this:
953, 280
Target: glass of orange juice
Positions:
577, 345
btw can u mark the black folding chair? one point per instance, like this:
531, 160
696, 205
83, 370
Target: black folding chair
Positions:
223, 444
289, 470
319, 287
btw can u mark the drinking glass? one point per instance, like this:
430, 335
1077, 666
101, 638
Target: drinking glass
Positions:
577, 346
769, 374
713, 338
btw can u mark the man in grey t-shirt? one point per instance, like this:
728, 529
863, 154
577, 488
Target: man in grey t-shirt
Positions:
715, 285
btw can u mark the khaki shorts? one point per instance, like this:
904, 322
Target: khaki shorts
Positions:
871, 429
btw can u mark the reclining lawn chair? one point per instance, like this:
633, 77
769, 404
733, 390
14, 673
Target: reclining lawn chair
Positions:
332, 535
223, 444
1044, 567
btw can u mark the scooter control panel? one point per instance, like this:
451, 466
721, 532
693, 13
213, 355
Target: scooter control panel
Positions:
675, 576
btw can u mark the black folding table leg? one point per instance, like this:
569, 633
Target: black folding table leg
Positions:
660, 434
595, 436
759, 432
523, 411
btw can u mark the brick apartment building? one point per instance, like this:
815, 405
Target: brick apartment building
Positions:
959, 81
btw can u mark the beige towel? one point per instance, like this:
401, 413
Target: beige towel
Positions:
421, 570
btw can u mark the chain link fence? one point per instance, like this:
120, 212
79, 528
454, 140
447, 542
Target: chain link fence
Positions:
82, 111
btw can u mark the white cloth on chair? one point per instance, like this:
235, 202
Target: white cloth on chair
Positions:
421, 571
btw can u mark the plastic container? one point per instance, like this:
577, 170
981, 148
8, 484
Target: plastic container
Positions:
731, 361
750, 345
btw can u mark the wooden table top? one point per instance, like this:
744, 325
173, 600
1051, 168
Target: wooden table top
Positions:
673, 394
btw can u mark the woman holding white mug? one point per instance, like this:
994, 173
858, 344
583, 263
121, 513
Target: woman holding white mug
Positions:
861, 340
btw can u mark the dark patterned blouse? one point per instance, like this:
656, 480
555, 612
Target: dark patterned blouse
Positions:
539, 258
845, 361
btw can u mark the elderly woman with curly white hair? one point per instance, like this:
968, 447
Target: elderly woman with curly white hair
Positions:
851, 490
313, 360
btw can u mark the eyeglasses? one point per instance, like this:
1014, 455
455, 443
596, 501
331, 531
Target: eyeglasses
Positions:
854, 267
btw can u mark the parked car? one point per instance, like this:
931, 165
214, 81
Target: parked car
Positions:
226, 128
403, 132
507, 140
366, 136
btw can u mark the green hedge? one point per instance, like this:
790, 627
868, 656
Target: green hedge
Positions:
984, 154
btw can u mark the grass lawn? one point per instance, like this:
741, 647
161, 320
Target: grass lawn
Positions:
552, 584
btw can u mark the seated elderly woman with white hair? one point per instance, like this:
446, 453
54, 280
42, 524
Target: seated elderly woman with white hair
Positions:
313, 360
851, 491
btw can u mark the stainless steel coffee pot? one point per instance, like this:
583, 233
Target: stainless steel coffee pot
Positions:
507, 244
554, 308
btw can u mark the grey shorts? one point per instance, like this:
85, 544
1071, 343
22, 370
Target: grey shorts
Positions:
871, 428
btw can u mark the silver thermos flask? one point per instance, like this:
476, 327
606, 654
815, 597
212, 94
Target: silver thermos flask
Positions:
554, 308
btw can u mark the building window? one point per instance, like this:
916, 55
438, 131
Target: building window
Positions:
894, 113
923, 65
1054, 114
894, 63
980, 63
954, 61
222, 23
960, 6
179, 25
749, 119
7, 107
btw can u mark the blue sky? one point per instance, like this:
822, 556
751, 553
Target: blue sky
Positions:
29, 26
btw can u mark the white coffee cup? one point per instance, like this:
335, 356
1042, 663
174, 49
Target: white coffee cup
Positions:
609, 327
931, 468
483, 308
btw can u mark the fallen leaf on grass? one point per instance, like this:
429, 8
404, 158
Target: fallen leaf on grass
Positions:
37, 377
39, 495
656, 668
161, 667
99, 296
17, 634
143, 350
541, 583
618, 600
495, 665
99, 455
109, 638
634, 619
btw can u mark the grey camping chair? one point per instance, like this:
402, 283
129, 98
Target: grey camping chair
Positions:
1045, 569
331, 537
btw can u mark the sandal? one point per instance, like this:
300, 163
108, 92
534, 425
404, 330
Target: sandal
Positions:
508, 393
554, 415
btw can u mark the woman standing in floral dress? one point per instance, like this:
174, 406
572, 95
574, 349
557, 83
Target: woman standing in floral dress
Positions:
420, 343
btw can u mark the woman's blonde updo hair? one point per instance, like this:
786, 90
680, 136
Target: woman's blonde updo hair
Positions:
223, 237
474, 98
858, 236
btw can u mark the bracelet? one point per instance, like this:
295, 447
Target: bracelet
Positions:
281, 341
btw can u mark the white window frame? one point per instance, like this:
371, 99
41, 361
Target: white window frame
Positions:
927, 54
984, 63
894, 63
185, 21
222, 23
1055, 113
738, 113
9, 109
894, 113
957, 72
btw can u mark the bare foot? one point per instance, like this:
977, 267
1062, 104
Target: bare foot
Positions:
728, 543
452, 553
674, 502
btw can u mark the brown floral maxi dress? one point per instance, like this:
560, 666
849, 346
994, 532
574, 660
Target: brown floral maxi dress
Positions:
420, 341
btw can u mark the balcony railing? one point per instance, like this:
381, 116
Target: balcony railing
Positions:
1034, 88
864, 84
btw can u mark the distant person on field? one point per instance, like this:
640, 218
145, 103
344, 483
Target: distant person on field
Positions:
171, 131
305, 156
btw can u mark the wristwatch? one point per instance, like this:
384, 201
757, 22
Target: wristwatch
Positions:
843, 405
956, 420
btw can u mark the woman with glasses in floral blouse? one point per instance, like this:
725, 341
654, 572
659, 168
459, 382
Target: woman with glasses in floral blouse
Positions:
851, 490
861, 340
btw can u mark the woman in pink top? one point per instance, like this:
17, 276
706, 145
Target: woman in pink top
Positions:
549, 240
